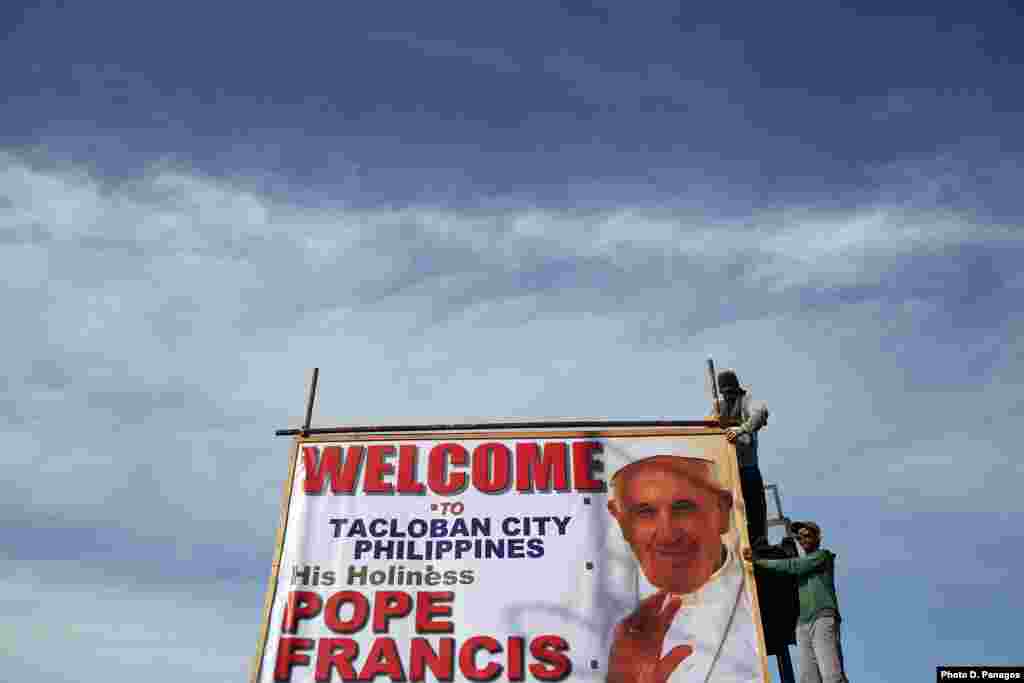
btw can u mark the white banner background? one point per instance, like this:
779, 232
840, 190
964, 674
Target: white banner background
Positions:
585, 582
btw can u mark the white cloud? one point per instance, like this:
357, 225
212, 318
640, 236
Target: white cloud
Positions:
180, 305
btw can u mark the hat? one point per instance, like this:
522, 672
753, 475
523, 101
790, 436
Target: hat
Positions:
727, 380
797, 526
621, 454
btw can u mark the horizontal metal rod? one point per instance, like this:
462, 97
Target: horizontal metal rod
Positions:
480, 426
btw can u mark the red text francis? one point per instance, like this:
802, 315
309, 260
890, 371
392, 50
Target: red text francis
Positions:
478, 658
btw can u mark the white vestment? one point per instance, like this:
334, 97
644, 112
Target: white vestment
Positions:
717, 621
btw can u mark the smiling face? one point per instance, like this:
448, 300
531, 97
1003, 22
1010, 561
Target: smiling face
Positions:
673, 514
808, 539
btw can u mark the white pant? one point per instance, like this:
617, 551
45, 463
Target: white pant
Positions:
821, 656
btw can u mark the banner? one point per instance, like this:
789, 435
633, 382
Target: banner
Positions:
513, 555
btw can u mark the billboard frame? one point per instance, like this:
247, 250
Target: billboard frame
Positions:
492, 430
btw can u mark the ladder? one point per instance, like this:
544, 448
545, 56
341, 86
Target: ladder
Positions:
785, 662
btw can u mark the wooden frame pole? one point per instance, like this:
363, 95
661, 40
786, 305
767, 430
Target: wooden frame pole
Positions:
310, 400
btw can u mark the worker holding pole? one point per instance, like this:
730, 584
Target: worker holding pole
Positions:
735, 407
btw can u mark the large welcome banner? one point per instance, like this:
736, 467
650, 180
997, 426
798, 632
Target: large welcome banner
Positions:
495, 556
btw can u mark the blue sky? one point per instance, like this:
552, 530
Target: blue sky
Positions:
483, 210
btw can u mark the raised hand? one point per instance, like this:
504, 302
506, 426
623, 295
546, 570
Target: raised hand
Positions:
636, 648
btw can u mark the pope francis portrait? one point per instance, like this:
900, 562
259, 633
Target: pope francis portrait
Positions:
697, 623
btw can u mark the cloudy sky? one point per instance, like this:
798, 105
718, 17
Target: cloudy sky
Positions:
500, 210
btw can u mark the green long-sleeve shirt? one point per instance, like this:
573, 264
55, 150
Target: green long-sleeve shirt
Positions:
815, 580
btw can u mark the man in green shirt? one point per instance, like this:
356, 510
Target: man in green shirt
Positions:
817, 633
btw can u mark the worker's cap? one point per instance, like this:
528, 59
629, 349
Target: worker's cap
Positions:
797, 526
620, 456
728, 381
